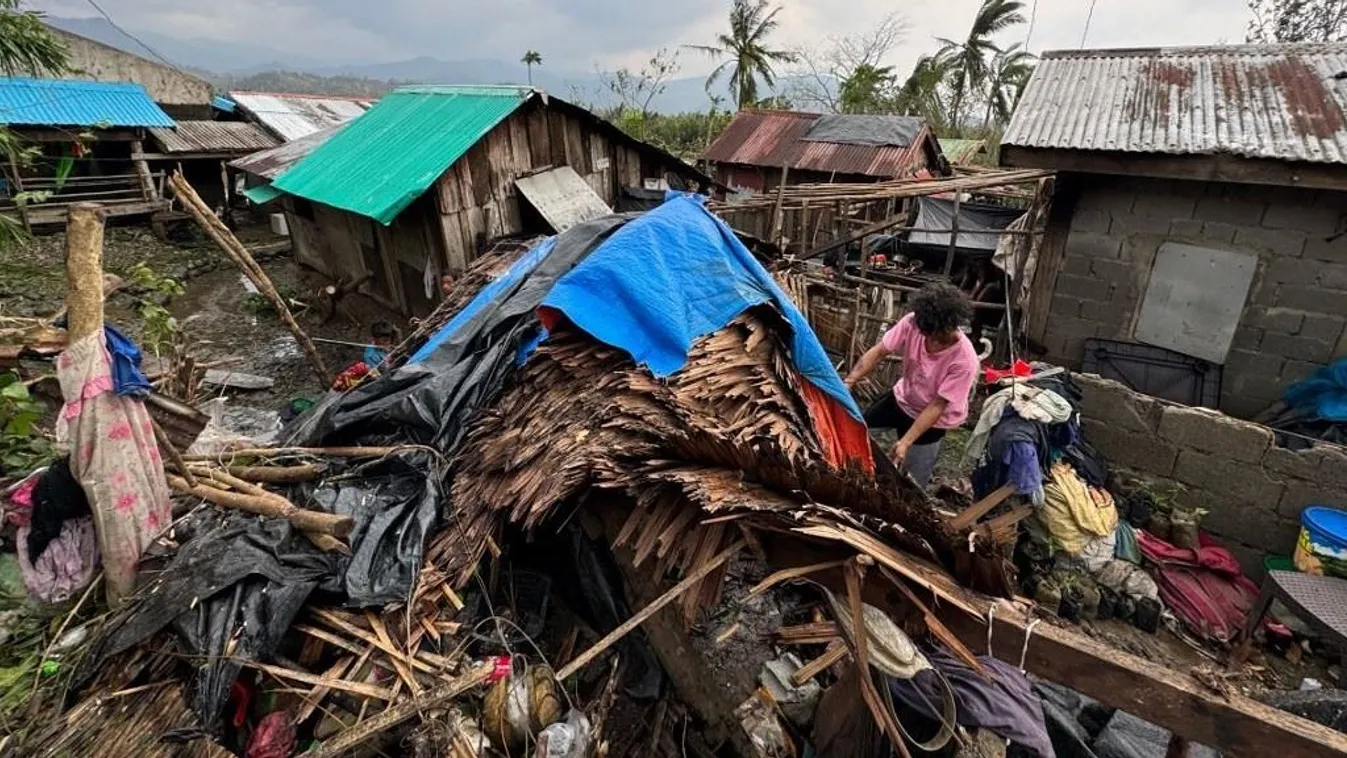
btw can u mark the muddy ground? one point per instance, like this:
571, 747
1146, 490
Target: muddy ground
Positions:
216, 314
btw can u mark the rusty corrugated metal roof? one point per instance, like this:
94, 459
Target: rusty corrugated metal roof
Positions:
290, 116
1284, 102
232, 137
773, 139
269, 164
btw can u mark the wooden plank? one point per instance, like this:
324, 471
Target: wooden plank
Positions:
540, 141
478, 166
556, 129
456, 244
979, 509
448, 191
501, 161
577, 157
1234, 725
519, 143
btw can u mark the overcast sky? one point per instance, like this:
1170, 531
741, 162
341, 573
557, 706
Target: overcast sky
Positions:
577, 35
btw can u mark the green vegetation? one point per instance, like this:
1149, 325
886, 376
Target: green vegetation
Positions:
23, 447
160, 327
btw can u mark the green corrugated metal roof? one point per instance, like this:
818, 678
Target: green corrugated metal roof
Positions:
385, 159
961, 150
262, 193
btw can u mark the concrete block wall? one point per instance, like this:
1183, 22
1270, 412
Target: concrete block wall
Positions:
1254, 491
1295, 318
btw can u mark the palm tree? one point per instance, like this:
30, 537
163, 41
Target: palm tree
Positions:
744, 48
531, 58
969, 58
1006, 76
920, 94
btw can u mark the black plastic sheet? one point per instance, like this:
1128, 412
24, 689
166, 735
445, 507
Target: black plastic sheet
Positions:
243, 578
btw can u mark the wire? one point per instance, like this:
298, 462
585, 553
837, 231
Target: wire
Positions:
1083, 35
1033, 16
136, 39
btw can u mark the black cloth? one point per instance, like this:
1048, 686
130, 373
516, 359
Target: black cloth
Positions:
885, 414
1008, 705
57, 498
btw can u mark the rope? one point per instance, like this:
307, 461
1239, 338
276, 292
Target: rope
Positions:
1024, 651
991, 624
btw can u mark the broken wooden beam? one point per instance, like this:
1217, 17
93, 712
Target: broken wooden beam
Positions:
1234, 725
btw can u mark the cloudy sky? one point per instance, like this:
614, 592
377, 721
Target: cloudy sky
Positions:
577, 35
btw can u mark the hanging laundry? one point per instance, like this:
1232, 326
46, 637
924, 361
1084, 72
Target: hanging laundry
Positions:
116, 459
1028, 402
1074, 513
1017, 451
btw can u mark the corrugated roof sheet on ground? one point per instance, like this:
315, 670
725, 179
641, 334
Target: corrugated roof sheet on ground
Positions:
381, 162
293, 116
960, 151
271, 163
213, 137
67, 102
773, 139
1284, 102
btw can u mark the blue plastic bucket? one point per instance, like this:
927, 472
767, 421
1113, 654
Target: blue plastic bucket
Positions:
1322, 547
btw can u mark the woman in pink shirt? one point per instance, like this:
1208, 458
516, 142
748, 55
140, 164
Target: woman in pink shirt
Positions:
939, 368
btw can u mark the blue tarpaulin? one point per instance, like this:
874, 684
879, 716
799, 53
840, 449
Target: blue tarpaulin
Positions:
1323, 393
672, 276
661, 282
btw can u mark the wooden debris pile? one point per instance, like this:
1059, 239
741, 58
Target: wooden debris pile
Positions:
724, 445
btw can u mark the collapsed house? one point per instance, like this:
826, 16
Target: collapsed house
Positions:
419, 183
761, 150
1196, 248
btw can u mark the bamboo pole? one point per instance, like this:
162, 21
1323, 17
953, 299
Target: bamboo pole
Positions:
84, 272
227, 242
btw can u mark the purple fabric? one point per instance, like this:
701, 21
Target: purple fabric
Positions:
65, 567
1008, 706
1022, 467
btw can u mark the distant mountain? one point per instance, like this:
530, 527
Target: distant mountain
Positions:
242, 66
298, 82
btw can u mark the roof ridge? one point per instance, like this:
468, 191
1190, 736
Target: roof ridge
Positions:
1197, 50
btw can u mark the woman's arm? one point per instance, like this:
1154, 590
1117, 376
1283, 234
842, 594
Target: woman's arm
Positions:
923, 422
866, 364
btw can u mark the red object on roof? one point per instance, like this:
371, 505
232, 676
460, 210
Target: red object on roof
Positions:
772, 139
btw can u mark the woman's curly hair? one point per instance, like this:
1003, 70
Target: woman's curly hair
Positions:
939, 308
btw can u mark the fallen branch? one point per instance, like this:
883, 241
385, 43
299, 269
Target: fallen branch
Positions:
285, 452
278, 474
668, 597
225, 239
273, 506
400, 713
173, 455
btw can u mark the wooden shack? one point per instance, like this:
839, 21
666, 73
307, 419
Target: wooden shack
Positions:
418, 184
